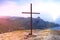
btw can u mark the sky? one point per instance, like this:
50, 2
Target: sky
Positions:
49, 9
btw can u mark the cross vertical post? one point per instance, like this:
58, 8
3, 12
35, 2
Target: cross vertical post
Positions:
31, 16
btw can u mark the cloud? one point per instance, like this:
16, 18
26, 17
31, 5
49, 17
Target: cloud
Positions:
50, 8
8, 9
45, 8
11, 9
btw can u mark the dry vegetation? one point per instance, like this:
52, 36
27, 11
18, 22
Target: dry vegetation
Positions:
21, 34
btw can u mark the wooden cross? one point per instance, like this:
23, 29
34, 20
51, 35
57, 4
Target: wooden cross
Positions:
31, 16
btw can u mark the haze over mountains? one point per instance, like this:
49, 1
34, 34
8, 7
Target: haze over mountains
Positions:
58, 20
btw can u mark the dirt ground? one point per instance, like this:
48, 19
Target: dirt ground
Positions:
39, 35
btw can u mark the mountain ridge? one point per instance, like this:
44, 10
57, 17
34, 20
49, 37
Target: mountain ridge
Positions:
17, 23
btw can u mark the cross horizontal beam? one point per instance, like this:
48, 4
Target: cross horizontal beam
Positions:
30, 13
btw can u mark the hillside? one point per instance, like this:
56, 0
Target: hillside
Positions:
16, 23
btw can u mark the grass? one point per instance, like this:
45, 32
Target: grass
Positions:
20, 34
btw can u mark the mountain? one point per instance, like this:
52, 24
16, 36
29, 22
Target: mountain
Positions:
17, 23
